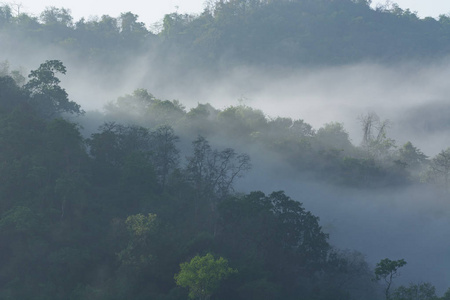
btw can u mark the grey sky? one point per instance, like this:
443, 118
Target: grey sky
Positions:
152, 11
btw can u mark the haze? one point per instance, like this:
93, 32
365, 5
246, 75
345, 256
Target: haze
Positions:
402, 94
404, 222
412, 96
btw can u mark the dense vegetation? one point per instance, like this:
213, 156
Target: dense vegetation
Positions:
228, 33
145, 205
113, 215
325, 154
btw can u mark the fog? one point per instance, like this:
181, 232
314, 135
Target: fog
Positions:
412, 96
341, 94
410, 223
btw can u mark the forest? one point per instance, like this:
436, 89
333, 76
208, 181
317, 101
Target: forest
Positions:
149, 198
228, 33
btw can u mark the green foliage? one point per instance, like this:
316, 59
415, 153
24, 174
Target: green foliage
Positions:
278, 241
303, 32
387, 270
422, 291
242, 119
131, 27
165, 152
11, 95
348, 274
142, 104
18, 220
439, 169
446, 295
326, 153
6, 16
375, 141
333, 135
412, 156
45, 93
203, 275
140, 228
14, 74
74, 212
140, 225
213, 172
268, 33
53, 16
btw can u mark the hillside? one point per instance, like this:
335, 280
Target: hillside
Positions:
264, 33
235, 154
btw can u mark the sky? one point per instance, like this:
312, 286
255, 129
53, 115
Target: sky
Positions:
152, 11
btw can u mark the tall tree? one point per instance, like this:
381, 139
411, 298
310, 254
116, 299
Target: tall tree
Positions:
213, 172
165, 152
387, 270
46, 95
375, 141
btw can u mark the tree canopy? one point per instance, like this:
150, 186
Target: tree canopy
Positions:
202, 275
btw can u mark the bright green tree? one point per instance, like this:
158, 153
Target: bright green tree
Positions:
140, 229
202, 275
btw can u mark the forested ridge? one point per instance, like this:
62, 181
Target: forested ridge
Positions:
229, 33
112, 215
142, 199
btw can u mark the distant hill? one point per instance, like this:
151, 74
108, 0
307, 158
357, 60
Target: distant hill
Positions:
252, 32
298, 32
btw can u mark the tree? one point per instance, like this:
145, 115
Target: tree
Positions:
387, 270
440, 167
11, 94
446, 295
272, 238
213, 172
140, 229
242, 120
115, 141
165, 152
124, 163
412, 156
53, 16
202, 275
348, 271
422, 291
130, 26
48, 97
375, 141
5, 15
333, 135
